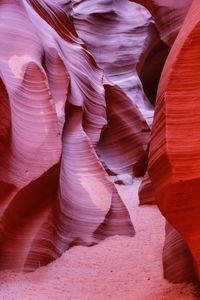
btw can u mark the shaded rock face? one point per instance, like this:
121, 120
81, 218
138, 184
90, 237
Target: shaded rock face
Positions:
174, 148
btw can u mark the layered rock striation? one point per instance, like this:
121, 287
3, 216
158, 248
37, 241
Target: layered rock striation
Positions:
57, 121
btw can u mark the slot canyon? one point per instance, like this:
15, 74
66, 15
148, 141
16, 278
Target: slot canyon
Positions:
99, 149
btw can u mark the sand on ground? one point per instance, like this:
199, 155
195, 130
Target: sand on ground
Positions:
119, 268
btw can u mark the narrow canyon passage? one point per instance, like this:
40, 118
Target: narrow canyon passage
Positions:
99, 99
118, 268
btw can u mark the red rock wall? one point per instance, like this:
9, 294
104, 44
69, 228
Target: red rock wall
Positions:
174, 164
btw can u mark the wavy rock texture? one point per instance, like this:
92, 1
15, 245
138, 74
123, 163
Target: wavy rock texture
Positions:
169, 16
58, 113
174, 162
100, 26
111, 29
68, 118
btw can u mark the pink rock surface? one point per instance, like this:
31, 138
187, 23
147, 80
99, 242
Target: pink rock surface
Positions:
78, 85
55, 118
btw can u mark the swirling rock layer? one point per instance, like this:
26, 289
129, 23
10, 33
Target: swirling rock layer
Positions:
111, 29
59, 120
73, 109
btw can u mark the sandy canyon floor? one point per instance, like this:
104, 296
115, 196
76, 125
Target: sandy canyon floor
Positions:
119, 268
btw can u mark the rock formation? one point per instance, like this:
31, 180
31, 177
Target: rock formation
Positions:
111, 29
174, 148
58, 114
135, 69
78, 85
169, 16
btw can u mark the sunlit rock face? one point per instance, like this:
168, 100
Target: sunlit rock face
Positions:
174, 162
59, 118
